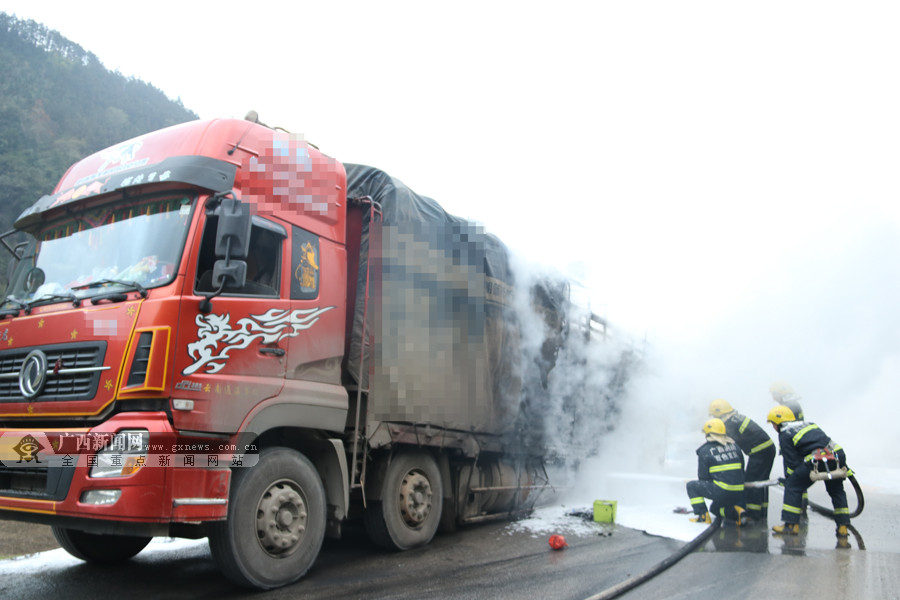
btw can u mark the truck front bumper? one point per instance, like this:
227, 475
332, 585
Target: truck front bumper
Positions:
46, 477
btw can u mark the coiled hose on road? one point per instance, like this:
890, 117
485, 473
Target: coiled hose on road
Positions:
629, 584
860, 502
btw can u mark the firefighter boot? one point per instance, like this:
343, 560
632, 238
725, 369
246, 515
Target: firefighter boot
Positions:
787, 529
842, 537
743, 517
704, 518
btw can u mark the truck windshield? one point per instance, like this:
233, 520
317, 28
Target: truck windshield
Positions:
112, 248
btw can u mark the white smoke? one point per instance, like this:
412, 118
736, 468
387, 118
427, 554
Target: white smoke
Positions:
826, 320
580, 365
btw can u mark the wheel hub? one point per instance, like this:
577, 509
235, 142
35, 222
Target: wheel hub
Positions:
415, 498
281, 518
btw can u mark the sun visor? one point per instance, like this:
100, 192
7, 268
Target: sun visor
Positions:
200, 171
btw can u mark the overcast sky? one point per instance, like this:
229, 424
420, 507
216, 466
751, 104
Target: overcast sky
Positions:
720, 174
670, 152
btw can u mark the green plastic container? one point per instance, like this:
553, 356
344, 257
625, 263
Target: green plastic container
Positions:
605, 511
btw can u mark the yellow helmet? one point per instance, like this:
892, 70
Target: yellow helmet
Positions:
719, 407
714, 426
780, 414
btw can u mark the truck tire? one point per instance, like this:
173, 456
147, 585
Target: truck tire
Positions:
99, 548
276, 521
409, 511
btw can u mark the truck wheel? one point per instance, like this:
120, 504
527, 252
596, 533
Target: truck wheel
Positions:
99, 548
409, 512
276, 521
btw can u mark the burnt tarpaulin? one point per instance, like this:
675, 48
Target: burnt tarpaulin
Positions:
444, 346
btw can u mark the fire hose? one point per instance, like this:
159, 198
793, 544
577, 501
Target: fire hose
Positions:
631, 583
860, 502
822, 510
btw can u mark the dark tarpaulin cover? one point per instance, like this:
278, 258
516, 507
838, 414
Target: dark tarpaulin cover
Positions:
446, 350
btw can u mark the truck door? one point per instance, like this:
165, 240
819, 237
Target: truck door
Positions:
234, 356
318, 294
316, 286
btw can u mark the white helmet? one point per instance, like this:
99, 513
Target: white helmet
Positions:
781, 391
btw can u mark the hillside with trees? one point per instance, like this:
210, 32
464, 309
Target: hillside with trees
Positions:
58, 103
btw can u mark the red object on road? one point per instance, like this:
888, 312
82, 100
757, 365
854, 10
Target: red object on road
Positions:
557, 542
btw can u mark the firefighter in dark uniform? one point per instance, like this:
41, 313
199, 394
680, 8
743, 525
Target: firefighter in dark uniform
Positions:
784, 395
760, 451
800, 444
720, 476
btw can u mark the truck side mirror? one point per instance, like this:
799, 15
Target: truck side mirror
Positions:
233, 234
231, 273
232, 245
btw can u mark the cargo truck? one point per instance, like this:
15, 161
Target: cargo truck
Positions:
216, 330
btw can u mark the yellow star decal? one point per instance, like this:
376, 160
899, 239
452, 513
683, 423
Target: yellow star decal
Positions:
131, 311
30, 409
10, 342
41, 324
108, 385
74, 334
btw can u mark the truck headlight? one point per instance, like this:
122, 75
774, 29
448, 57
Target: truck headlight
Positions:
101, 497
124, 455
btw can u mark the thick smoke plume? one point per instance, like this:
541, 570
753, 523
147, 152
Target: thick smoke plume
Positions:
575, 370
826, 320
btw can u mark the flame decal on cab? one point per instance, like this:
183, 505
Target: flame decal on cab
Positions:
216, 337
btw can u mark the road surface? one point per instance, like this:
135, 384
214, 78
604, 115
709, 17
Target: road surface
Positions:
510, 561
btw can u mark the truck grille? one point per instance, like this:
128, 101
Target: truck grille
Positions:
40, 482
76, 378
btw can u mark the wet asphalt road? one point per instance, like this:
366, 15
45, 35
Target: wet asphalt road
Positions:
492, 561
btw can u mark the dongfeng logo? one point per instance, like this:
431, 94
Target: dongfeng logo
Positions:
33, 374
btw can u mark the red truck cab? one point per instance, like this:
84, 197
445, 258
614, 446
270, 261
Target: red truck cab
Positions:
179, 300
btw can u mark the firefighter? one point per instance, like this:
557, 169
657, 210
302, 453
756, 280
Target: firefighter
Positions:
759, 448
783, 395
801, 443
720, 476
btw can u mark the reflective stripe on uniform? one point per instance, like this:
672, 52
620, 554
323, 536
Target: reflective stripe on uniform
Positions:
726, 467
792, 509
697, 500
842, 511
730, 487
765, 444
803, 432
744, 425
753, 506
